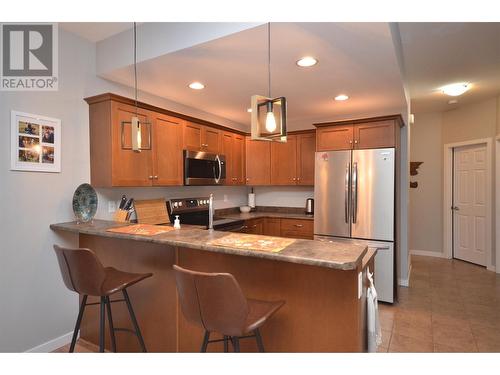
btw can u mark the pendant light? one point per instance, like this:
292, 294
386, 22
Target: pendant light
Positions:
271, 125
136, 125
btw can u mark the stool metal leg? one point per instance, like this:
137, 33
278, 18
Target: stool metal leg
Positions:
134, 320
236, 343
205, 342
111, 326
77, 325
226, 344
258, 338
102, 325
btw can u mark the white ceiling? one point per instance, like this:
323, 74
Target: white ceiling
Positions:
357, 59
95, 31
436, 54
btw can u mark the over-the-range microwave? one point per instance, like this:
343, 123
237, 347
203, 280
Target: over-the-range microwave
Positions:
203, 168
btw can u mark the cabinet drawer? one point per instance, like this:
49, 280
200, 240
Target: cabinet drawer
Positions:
296, 228
253, 226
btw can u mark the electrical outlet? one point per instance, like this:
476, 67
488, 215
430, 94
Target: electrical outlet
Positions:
225, 198
111, 206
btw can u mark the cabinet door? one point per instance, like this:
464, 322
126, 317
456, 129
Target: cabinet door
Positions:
258, 162
284, 162
167, 150
130, 168
238, 164
253, 226
272, 227
192, 136
378, 134
210, 140
227, 151
331, 138
306, 146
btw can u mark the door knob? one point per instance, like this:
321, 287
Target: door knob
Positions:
455, 208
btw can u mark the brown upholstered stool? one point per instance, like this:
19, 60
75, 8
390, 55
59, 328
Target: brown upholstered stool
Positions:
84, 274
215, 302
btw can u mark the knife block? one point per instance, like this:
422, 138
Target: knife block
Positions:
120, 216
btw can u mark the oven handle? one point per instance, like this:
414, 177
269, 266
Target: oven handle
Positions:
217, 179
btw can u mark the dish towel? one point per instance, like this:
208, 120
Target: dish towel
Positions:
374, 330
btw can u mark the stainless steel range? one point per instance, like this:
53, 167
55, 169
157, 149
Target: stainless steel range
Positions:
194, 211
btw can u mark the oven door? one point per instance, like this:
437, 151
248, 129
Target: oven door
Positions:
203, 168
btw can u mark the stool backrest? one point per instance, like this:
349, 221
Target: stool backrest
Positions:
212, 300
81, 270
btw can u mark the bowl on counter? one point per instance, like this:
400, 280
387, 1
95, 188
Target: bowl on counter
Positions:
245, 209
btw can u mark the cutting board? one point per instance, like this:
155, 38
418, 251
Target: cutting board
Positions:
151, 211
253, 242
141, 229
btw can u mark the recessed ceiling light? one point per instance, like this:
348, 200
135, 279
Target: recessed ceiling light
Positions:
249, 110
341, 97
455, 89
453, 101
307, 61
196, 86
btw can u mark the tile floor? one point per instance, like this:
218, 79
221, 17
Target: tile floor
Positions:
450, 306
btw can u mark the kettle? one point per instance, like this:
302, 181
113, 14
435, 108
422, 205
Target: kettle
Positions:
310, 206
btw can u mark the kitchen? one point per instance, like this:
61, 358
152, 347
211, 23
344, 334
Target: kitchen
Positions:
330, 203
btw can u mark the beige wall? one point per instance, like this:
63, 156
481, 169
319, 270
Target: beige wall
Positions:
430, 132
426, 216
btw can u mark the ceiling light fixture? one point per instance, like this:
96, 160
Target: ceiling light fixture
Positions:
272, 125
307, 61
136, 126
196, 86
455, 89
341, 97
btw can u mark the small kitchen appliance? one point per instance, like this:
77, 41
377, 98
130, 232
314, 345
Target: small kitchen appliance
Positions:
310, 206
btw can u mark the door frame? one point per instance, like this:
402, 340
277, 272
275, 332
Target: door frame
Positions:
448, 196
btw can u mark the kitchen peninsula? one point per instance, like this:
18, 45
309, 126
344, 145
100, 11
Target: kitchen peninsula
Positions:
324, 311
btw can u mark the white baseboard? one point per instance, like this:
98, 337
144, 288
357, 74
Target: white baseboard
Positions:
427, 253
491, 268
52, 345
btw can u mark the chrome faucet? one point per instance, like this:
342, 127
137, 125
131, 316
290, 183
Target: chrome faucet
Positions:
211, 212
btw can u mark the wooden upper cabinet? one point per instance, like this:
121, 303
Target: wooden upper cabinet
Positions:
376, 134
210, 140
227, 151
167, 148
334, 138
284, 162
238, 162
306, 147
192, 136
201, 138
258, 162
128, 167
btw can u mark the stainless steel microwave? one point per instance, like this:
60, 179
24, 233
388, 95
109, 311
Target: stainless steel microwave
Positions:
203, 168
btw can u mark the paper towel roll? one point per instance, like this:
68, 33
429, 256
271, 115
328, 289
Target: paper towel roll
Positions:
251, 200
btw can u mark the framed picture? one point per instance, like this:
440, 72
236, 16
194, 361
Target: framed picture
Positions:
36, 143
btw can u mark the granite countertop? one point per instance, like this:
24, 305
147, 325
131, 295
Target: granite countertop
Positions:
335, 255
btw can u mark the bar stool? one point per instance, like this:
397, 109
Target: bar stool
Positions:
215, 302
83, 273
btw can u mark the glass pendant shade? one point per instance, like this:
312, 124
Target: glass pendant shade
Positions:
268, 119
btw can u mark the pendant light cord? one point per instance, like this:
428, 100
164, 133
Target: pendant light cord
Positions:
269, 58
135, 67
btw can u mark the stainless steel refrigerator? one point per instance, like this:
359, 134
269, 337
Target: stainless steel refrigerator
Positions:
354, 201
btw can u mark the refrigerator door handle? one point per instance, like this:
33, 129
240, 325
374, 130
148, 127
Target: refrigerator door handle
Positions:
346, 192
354, 192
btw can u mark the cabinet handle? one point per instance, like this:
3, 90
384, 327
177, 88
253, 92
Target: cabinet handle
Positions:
156, 177
299, 225
356, 141
248, 178
298, 178
245, 227
350, 142
293, 179
150, 177
254, 226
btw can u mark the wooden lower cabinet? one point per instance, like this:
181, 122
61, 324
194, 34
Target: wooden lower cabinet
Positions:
280, 227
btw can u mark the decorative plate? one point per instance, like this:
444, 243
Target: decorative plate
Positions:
84, 203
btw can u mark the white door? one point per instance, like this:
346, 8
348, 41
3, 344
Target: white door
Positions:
469, 203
